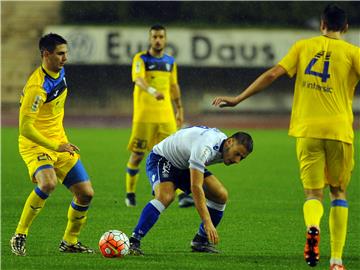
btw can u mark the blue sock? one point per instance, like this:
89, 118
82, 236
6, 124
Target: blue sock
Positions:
148, 218
216, 212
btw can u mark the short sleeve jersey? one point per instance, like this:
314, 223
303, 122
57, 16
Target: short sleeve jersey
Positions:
194, 147
327, 72
160, 73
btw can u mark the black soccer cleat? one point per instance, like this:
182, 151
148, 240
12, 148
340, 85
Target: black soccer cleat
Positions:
185, 200
130, 199
17, 244
311, 250
135, 247
201, 244
76, 248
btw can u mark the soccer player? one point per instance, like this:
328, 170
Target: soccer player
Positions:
180, 161
156, 87
327, 70
44, 147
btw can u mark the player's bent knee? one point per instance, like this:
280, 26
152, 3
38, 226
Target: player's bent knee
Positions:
223, 196
165, 199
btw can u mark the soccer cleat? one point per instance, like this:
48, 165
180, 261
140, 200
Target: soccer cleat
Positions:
17, 243
135, 247
76, 248
201, 244
311, 250
130, 200
185, 200
337, 267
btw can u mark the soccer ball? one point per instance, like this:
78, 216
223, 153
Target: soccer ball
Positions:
113, 244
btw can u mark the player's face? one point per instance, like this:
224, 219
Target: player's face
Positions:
157, 40
233, 152
57, 59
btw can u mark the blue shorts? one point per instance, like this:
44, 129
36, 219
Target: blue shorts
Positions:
76, 175
159, 169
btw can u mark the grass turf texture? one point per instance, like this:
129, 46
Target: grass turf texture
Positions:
262, 227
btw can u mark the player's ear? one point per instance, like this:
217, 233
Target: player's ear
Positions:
322, 25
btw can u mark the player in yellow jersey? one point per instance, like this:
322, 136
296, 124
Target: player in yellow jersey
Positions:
156, 88
327, 71
44, 147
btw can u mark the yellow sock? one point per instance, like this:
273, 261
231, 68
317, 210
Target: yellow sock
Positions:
179, 191
338, 225
33, 205
77, 215
132, 175
313, 211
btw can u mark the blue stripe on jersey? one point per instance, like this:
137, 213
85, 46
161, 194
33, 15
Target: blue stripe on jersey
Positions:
342, 203
164, 63
78, 207
41, 194
54, 87
76, 175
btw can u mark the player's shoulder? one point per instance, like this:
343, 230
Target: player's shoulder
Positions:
141, 54
36, 79
169, 58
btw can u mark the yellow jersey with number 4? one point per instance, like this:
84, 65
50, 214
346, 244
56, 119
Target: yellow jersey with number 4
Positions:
327, 71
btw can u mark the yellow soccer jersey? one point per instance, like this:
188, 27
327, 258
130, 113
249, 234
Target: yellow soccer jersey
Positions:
327, 71
42, 110
160, 73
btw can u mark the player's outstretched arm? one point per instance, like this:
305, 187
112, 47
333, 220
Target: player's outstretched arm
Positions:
261, 83
197, 180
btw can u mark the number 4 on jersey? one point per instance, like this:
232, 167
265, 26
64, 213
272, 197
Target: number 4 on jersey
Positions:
325, 73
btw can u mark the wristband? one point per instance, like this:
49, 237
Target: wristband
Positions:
151, 90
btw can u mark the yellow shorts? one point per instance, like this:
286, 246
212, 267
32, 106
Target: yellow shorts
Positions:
324, 162
38, 156
145, 135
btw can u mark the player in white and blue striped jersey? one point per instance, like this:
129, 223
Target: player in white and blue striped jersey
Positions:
180, 161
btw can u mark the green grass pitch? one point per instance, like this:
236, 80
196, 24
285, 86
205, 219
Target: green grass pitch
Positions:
262, 227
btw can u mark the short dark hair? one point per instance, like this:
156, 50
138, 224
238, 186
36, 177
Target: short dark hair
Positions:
157, 27
50, 41
334, 18
244, 139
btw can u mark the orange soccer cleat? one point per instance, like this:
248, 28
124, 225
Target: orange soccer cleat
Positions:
335, 266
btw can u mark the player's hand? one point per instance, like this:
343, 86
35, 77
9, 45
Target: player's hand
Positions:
68, 147
211, 232
158, 95
224, 101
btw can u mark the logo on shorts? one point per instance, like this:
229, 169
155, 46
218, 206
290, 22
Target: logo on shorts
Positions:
166, 169
153, 178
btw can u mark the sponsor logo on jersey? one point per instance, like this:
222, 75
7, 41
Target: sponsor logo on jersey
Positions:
36, 103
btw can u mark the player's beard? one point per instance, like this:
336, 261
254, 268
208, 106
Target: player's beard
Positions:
158, 49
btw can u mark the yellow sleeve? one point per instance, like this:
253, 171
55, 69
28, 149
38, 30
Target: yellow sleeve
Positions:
174, 77
138, 68
357, 61
31, 103
289, 62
